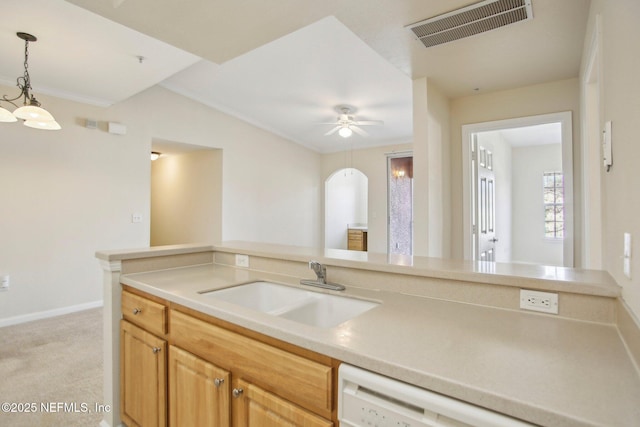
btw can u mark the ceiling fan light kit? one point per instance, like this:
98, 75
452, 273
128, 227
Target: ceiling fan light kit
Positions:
346, 123
33, 115
345, 132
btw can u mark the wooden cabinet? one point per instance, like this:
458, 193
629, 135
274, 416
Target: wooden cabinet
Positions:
209, 362
295, 378
149, 315
356, 240
198, 391
255, 407
143, 377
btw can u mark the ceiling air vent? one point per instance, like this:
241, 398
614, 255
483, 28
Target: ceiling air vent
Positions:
475, 19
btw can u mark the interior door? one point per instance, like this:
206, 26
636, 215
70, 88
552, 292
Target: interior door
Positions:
485, 206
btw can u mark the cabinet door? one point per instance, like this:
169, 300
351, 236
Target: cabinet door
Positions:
295, 378
198, 391
143, 379
255, 407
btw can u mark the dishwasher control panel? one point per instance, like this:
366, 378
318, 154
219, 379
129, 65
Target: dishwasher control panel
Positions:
359, 412
367, 399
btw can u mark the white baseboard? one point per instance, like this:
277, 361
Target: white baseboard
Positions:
105, 423
49, 313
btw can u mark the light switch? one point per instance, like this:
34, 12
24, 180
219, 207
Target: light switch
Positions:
627, 245
626, 257
136, 217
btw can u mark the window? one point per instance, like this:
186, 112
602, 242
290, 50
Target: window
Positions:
553, 193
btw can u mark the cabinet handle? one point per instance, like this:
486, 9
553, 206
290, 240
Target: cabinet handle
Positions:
156, 350
218, 382
237, 392
137, 311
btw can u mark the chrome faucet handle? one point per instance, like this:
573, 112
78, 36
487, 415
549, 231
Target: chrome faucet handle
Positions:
321, 281
319, 269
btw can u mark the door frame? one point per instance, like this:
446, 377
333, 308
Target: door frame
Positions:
567, 169
592, 112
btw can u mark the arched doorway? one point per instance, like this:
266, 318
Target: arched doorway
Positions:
346, 205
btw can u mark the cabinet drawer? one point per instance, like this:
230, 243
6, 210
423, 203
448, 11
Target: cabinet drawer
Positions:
295, 378
145, 313
355, 245
355, 235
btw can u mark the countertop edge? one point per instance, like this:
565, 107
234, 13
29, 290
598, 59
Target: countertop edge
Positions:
596, 283
554, 279
154, 251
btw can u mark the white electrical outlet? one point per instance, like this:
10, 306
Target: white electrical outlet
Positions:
545, 302
242, 260
136, 217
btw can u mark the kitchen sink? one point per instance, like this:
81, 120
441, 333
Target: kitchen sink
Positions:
299, 305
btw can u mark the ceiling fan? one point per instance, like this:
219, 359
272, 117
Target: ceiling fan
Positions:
346, 123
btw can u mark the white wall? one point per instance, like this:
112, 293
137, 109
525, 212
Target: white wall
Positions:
69, 193
186, 198
373, 163
621, 105
533, 100
346, 202
528, 242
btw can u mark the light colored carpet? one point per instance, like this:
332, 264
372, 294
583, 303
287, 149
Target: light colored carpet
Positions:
55, 364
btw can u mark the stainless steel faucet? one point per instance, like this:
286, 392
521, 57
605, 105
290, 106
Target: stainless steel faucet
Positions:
321, 281
320, 270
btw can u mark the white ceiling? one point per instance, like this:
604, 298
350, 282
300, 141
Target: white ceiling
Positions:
282, 65
80, 55
292, 84
526, 136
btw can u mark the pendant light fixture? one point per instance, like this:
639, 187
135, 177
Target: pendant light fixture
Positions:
33, 115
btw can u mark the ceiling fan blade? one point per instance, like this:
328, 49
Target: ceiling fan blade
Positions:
327, 123
369, 122
358, 131
332, 131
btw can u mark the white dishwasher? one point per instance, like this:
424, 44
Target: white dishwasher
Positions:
369, 399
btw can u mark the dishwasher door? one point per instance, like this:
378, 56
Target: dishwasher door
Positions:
369, 399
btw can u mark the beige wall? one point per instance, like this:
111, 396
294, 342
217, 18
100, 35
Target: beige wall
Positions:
621, 104
439, 159
262, 173
431, 151
521, 102
66, 194
186, 198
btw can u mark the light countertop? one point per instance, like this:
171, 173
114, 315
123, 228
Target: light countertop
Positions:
548, 278
546, 370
